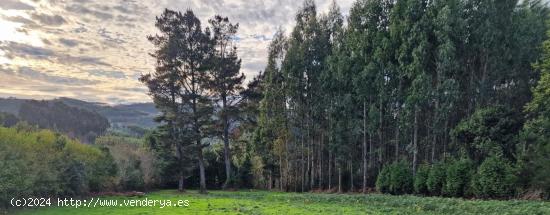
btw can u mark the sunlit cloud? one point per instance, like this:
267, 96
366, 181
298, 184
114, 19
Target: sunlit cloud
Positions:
95, 50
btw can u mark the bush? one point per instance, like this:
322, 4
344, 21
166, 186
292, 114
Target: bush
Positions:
436, 179
136, 163
383, 180
395, 179
37, 162
420, 179
494, 179
457, 177
488, 131
132, 177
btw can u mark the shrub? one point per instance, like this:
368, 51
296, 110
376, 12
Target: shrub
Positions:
457, 177
37, 162
494, 178
487, 131
383, 180
420, 179
135, 162
401, 178
436, 178
132, 177
395, 179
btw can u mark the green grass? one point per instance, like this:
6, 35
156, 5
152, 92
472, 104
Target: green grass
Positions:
263, 202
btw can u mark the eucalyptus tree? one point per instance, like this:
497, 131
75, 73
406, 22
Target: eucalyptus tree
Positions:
302, 66
272, 122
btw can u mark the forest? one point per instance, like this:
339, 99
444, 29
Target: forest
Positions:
427, 97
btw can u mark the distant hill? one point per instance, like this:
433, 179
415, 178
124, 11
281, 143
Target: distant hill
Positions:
141, 114
11, 105
119, 116
55, 115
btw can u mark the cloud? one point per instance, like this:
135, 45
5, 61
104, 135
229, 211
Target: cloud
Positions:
68, 42
30, 73
14, 5
108, 74
13, 49
108, 36
80, 29
53, 20
107, 40
83, 9
19, 19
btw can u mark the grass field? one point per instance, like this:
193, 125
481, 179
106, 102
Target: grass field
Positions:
263, 202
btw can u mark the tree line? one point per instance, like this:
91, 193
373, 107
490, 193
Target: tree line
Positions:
419, 81
403, 96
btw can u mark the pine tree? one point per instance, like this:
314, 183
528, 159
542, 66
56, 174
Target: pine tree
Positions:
226, 81
179, 84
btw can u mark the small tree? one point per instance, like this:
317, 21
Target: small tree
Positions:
395, 179
494, 179
420, 179
436, 178
457, 177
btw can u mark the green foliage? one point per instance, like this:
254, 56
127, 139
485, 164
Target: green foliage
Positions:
535, 163
383, 180
395, 179
180, 86
42, 163
138, 167
488, 131
420, 179
494, 178
132, 178
245, 175
436, 178
457, 178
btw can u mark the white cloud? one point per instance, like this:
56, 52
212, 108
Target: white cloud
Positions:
90, 39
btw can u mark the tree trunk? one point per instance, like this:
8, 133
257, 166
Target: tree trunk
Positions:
380, 135
339, 179
302, 161
269, 180
227, 153
287, 163
397, 140
329, 170
446, 139
201, 171
369, 153
308, 166
364, 187
320, 176
312, 167
434, 140
180, 172
351, 175
415, 139
280, 172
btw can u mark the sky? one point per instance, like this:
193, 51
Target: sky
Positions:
95, 50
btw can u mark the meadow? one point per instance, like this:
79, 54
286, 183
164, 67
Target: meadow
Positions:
265, 202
